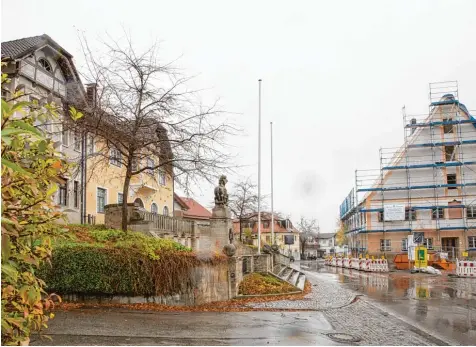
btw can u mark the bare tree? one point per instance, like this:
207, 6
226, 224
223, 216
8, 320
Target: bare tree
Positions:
149, 120
309, 229
243, 200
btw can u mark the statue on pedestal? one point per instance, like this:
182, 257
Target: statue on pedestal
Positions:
221, 195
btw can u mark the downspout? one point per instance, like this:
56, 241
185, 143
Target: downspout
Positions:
83, 176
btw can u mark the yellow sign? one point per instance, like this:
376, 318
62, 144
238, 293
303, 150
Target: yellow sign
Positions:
360, 256
422, 293
465, 254
382, 257
373, 258
421, 257
366, 256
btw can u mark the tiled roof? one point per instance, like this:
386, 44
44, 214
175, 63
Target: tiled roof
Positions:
21, 47
194, 209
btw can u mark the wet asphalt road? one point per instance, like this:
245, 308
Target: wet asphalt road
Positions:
127, 327
441, 304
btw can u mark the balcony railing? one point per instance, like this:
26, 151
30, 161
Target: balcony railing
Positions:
168, 224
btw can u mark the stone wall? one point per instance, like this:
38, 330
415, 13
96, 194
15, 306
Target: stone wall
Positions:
211, 283
257, 263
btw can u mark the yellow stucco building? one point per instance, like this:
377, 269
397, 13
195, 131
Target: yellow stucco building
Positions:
152, 190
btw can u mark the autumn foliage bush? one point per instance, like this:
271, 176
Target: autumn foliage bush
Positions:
260, 284
31, 167
97, 261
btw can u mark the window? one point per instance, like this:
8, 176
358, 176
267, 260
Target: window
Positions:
162, 177
76, 194
154, 208
471, 211
63, 193
266, 225
448, 128
77, 141
135, 164
428, 243
449, 153
115, 157
437, 213
471, 241
404, 244
65, 136
451, 179
268, 239
120, 198
45, 64
101, 200
166, 211
410, 214
150, 163
380, 216
385, 245
90, 144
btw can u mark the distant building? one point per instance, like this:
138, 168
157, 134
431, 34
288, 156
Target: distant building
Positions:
190, 209
282, 227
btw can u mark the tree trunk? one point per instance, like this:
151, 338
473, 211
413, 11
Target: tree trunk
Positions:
125, 191
241, 231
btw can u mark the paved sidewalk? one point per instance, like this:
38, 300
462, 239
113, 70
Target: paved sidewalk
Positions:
349, 313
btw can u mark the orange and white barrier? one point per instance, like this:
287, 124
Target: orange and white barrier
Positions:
355, 263
465, 268
346, 263
339, 262
334, 262
362, 264
368, 263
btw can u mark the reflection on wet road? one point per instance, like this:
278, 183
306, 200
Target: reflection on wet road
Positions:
443, 304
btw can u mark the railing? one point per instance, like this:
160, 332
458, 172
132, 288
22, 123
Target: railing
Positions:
169, 224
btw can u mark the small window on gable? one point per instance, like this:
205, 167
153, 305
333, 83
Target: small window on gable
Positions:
450, 153
448, 128
45, 64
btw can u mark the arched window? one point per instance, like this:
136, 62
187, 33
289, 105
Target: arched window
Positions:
139, 202
154, 208
45, 64
166, 211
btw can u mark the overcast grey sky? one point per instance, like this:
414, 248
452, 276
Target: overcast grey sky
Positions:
335, 74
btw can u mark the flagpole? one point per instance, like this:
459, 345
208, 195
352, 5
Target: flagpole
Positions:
272, 188
259, 169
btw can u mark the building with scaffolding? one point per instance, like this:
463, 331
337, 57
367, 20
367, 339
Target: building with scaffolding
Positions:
425, 188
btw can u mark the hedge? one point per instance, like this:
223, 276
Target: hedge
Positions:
129, 264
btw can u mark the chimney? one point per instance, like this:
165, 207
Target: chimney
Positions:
91, 94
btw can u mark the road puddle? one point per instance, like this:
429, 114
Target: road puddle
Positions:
443, 304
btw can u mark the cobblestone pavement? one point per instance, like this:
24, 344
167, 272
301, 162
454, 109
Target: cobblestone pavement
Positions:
350, 314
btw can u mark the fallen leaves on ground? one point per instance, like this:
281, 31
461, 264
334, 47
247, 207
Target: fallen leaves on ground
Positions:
234, 305
262, 284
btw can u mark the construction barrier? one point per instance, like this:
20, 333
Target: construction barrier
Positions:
368, 262
346, 263
465, 268
339, 262
370, 265
355, 263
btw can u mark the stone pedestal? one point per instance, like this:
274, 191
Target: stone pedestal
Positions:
217, 236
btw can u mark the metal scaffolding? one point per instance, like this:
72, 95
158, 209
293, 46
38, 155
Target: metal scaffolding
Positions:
434, 169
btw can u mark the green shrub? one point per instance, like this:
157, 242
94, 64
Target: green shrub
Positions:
106, 261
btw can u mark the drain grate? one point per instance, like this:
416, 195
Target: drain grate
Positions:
342, 337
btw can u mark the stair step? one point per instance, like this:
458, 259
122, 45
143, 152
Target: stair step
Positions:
301, 281
282, 271
294, 277
284, 274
